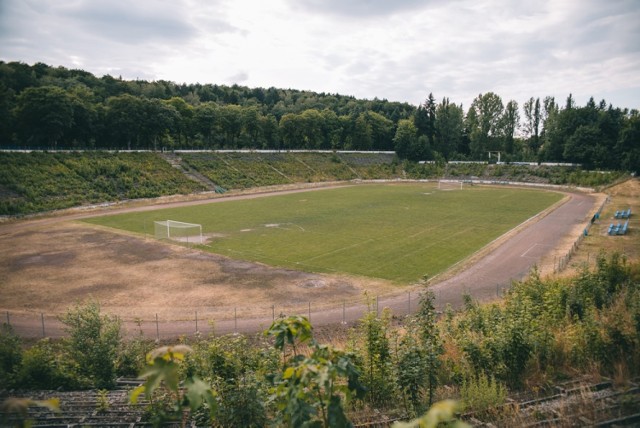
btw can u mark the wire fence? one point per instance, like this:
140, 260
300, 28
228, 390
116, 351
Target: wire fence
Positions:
560, 263
245, 319
219, 321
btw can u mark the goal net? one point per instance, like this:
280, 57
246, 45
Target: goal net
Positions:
449, 184
190, 233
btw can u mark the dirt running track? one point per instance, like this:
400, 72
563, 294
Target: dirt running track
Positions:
537, 242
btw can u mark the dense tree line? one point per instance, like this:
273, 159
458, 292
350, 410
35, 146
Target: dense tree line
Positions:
51, 108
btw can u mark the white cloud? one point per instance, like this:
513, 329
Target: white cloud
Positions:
358, 8
400, 50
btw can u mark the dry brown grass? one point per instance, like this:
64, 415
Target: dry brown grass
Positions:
48, 267
625, 195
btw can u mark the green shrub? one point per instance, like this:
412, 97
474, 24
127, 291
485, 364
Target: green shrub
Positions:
376, 363
236, 368
131, 356
243, 402
44, 367
10, 355
93, 342
482, 393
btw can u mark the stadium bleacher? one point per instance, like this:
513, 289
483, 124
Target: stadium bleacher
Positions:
618, 229
623, 213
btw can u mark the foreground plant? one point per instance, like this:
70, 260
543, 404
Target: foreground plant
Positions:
18, 408
442, 412
312, 390
162, 374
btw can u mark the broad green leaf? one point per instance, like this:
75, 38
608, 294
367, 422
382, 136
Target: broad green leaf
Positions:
288, 372
133, 398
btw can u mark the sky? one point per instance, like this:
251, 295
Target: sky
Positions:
399, 50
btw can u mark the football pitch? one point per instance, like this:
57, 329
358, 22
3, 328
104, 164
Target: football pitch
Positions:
397, 232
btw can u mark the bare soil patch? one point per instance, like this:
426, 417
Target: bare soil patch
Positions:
49, 268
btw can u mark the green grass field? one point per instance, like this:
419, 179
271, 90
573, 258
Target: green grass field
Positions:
399, 232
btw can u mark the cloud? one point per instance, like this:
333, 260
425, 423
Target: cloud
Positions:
398, 50
129, 23
358, 8
239, 77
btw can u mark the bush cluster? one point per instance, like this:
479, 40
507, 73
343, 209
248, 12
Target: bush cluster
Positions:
543, 330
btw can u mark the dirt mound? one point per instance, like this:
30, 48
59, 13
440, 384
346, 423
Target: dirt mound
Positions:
629, 189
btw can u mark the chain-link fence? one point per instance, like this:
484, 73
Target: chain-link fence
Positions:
560, 263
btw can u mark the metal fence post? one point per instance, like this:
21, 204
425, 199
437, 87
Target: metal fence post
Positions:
196, 321
235, 320
42, 319
157, 329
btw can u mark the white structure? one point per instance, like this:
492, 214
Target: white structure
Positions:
449, 184
178, 231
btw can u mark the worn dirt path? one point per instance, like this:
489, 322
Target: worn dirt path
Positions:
511, 258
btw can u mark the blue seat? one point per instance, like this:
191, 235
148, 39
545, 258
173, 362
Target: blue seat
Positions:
616, 214
610, 229
623, 231
623, 213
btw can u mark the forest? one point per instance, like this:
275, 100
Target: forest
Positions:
48, 108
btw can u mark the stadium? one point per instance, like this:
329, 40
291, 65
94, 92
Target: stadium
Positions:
320, 249
350, 253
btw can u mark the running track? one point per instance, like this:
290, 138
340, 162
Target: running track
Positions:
511, 260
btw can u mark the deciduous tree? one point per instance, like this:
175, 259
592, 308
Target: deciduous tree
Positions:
43, 115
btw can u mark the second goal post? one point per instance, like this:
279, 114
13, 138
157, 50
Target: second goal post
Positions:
449, 184
178, 231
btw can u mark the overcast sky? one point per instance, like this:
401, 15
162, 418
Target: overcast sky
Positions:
400, 50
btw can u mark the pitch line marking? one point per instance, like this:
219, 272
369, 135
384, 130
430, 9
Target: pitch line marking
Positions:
529, 249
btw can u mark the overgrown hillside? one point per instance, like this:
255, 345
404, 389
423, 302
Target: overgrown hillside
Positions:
36, 182
41, 181
244, 170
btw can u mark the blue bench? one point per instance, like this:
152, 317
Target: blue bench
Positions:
618, 229
623, 230
614, 228
623, 213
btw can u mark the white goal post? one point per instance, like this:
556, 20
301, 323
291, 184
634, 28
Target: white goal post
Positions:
449, 184
178, 231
